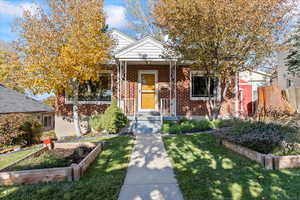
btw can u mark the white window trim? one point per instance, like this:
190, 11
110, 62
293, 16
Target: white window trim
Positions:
196, 72
67, 101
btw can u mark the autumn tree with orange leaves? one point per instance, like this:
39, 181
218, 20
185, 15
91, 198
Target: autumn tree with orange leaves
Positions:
223, 37
63, 47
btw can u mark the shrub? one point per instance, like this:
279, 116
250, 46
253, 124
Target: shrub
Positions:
185, 126
203, 125
17, 130
111, 121
175, 129
10, 132
33, 129
96, 122
165, 128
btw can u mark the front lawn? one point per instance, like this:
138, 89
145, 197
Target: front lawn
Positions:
103, 180
206, 170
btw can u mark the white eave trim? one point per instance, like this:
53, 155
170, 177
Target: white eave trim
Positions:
139, 44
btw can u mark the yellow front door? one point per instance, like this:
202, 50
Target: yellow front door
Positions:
148, 91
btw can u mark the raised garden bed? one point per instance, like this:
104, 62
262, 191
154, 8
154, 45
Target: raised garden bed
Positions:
274, 146
267, 161
65, 162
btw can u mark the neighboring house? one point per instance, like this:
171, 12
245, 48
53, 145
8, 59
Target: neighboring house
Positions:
145, 83
283, 78
248, 84
13, 102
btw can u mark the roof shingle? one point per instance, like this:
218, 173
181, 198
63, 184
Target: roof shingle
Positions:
14, 102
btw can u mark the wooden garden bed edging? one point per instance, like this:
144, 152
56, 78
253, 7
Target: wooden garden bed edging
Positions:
267, 161
71, 173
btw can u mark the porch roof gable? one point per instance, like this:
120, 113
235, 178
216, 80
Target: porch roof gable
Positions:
144, 49
122, 40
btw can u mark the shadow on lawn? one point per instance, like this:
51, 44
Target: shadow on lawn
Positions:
208, 171
103, 180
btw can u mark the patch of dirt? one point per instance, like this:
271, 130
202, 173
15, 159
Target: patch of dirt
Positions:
73, 155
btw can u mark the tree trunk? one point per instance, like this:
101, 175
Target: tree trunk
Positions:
216, 102
76, 119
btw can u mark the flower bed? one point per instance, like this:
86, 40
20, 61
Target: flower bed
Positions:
66, 162
275, 146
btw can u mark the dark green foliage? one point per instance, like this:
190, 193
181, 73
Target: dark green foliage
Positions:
188, 126
293, 58
264, 137
111, 121
32, 129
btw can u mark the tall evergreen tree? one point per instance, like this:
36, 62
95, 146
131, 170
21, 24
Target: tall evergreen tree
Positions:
293, 58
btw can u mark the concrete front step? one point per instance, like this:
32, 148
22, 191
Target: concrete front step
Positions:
142, 127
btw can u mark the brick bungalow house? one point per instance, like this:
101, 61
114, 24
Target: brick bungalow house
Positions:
145, 83
15, 103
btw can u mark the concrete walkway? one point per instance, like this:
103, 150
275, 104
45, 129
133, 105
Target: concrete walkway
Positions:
150, 175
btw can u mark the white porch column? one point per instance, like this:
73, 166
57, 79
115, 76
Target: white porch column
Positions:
118, 85
175, 91
126, 83
172, 68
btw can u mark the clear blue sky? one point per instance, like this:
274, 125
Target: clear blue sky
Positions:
11, 9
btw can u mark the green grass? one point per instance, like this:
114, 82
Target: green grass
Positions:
10, 158
102, 181
207, 171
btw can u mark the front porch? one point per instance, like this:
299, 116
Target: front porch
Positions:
147, 89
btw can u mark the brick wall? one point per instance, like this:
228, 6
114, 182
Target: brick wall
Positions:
185, 106
188, 107
63, 109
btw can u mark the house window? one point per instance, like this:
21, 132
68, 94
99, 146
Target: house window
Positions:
47, 121
199, 84
95, 91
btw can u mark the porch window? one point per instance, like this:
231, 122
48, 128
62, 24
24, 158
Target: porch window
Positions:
94, 91
199, 85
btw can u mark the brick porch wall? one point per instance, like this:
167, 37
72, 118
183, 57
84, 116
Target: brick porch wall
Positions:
185, 106
188, 107
133, 76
